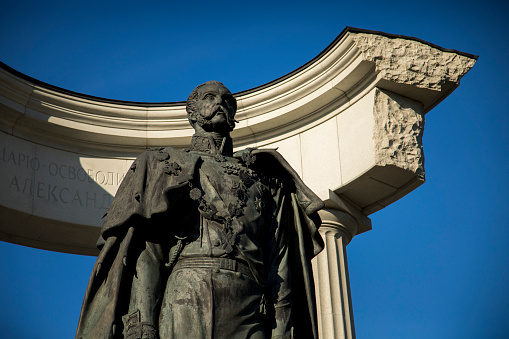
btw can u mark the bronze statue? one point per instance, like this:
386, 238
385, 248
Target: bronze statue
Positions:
206, 243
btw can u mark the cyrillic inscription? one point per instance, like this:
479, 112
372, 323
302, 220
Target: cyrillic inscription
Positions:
42, 190
51, 180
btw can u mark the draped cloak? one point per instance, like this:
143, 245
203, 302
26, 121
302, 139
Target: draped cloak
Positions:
151, 204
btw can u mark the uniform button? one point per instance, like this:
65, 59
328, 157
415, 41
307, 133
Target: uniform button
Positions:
238, 274
241, 247
216, 270
216, 243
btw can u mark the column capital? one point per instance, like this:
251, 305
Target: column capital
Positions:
338, 221
341, 215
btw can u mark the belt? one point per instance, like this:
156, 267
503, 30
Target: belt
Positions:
214, 263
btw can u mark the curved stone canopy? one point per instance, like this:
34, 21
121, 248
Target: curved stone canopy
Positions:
350, 122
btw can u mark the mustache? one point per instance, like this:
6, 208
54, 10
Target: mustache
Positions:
206, 121
230, 119
220, 109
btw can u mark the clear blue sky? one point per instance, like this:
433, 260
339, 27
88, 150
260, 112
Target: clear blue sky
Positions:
435, 265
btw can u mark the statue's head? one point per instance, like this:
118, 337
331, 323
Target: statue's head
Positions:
212, 107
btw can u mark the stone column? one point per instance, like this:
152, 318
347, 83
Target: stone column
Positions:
330, 271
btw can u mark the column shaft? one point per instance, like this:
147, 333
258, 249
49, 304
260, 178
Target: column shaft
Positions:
330, 270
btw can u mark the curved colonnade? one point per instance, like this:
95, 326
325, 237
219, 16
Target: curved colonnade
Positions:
350, 122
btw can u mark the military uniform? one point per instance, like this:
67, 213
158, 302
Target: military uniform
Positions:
202, 244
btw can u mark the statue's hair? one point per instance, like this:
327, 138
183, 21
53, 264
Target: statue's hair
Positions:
192, 114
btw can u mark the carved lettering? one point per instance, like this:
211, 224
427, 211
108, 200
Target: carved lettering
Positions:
51, 192
120, 177
90, 199
31, 187
109, 176
61, 195
53, 169
102, 176
90, 173
35, 164
21, 159
11, 157
55, 185
62, 170
77, 198
85, 176
14, 183
72, 173
40, 188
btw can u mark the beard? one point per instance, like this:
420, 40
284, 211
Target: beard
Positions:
203, 122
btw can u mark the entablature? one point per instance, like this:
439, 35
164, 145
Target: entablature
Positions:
350, 122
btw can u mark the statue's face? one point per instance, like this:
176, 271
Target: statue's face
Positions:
216, 105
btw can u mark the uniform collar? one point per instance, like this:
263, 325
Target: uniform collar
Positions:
212, 143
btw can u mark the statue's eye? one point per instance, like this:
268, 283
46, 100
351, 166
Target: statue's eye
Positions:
209, 97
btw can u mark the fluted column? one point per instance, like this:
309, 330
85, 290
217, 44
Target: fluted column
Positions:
330, 271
